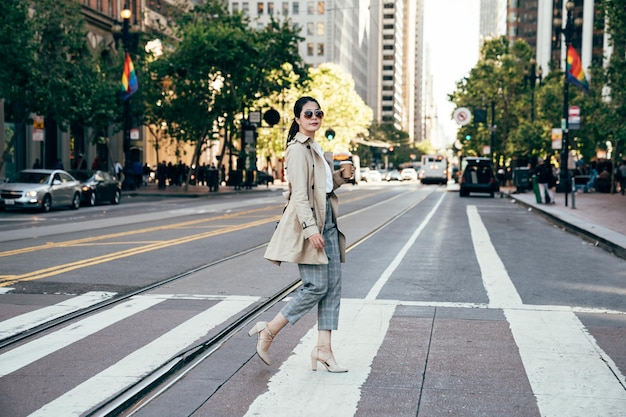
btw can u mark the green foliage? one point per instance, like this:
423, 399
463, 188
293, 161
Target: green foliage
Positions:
48, 68
345, 112
214, 68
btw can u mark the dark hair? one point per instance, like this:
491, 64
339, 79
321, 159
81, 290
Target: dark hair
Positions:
297, 109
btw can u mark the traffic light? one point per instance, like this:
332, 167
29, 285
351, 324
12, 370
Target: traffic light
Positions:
330, 134
468, 137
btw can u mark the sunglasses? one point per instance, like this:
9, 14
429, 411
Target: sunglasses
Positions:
309, 114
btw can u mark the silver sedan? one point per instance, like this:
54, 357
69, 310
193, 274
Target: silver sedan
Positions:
42, 189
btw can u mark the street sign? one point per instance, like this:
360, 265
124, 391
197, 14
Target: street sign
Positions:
557, 138
574, 117
462, 116
38, 128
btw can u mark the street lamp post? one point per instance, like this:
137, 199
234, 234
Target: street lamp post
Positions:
533, 76
568, 32
128, 183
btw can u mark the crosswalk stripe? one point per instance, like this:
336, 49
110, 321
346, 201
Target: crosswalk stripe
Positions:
296, 391
37, 349
569, 373
27, 321
142, 361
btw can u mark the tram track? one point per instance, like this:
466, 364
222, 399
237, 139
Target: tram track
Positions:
151, 386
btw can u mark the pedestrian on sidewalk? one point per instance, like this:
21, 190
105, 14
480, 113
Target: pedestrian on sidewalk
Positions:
621, 173
546, 180
307, 234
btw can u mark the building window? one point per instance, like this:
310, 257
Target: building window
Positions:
309, 28
245, 8
387, 77
310, 7
260, 8
388, 26
285, 8
388, 47
320, 7
388, 57
235, 7
320, 49
270, 8
310, 49
295, 8
99, 5
387, 67
321, 29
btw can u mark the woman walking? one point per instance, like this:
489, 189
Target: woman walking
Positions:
307, 234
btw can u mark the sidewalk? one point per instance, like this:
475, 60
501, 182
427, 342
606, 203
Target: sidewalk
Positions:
598, 217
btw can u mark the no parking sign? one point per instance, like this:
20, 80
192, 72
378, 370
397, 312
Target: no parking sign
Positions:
462, 116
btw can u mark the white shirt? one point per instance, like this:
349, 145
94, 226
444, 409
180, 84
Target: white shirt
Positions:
329, 174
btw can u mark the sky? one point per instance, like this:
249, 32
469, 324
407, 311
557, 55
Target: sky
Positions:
451, 29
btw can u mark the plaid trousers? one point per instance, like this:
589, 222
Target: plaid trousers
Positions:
321, 284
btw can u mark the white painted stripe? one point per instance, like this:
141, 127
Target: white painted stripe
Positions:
141, 362
35, 350
500, 289
297, 391
569, 373
533, 307
27, 321
380, 283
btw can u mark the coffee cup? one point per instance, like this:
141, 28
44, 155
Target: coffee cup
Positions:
347, 169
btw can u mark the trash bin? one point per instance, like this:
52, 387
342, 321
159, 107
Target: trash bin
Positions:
521, 179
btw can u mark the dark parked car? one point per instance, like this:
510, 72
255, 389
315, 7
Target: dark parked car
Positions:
263, 178
98, 187
42, 189
478, 177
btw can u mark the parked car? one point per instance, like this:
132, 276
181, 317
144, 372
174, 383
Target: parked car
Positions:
41, 189
364, 171
393, 175
478, 177
263, 178
370, 175
98, 187
374, 176
409, 174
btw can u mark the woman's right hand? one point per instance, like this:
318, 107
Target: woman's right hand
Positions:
317, 240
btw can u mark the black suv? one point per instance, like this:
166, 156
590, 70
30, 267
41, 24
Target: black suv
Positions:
478, 177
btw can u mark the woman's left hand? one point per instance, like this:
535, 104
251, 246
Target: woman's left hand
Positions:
317, 241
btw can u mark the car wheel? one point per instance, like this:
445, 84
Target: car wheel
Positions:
75, 202
116, 197
92, 199
46, 203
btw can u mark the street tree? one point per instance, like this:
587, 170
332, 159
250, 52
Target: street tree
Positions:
50, 71
345, 112
214, 67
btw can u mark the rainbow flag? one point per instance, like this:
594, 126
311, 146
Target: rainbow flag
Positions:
129, 79
575, 72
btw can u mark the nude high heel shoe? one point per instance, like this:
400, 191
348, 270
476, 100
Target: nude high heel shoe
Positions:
263, 343
324, 355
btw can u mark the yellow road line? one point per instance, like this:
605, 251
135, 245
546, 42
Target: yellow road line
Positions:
59, 269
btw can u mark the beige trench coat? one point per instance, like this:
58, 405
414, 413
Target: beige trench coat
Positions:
305, 211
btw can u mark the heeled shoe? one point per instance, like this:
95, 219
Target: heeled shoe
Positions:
262, 344
328, 359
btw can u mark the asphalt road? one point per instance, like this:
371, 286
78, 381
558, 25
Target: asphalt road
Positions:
451, 307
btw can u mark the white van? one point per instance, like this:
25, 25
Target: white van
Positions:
434, 170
